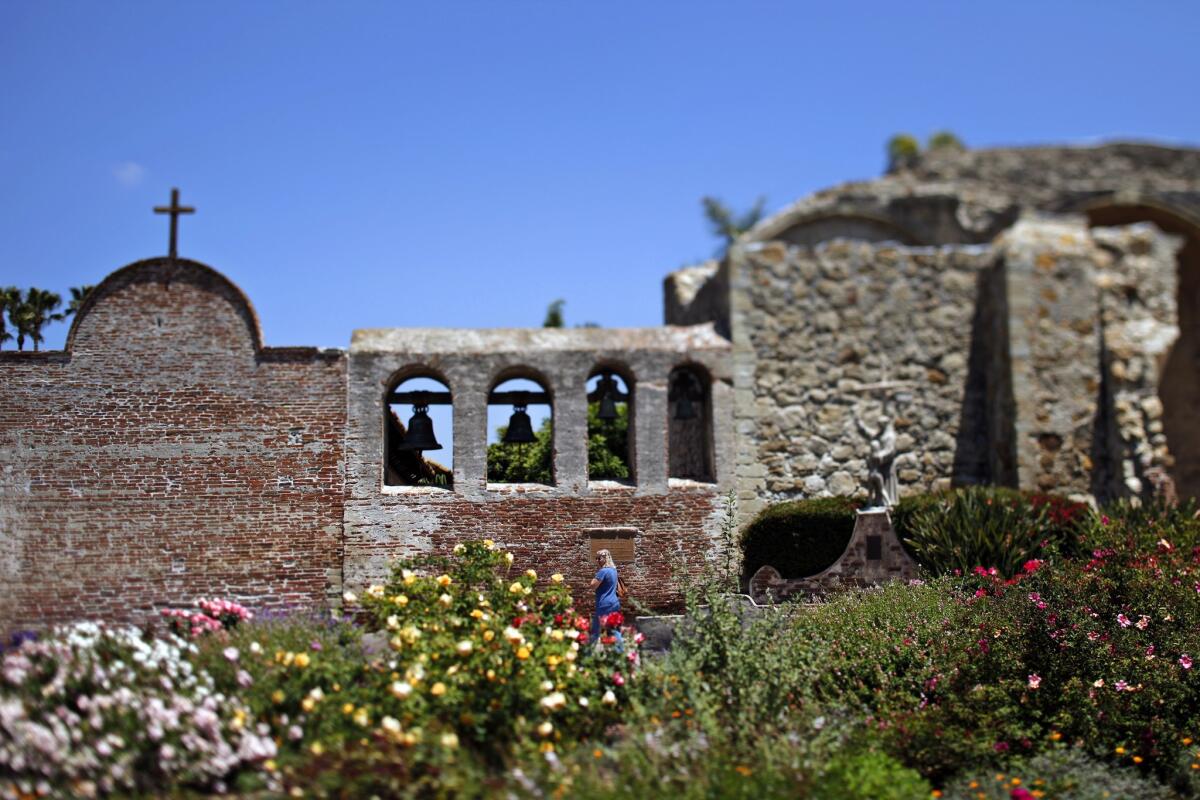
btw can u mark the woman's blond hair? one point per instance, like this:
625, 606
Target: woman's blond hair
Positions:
608, 559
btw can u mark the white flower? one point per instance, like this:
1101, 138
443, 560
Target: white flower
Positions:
231, 653
446, 600
609, 698
390, 724
513, 635
375, 590
554, 701
393, 622
449, 741
255, 648
583, 701
459, 549
401, 689
350, 597
547, 686
546, 728
464, 647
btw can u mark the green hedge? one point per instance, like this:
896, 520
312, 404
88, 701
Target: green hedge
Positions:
799, 537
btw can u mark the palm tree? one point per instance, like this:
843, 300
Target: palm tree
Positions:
78, 295
10, 297
726, 224
33, 313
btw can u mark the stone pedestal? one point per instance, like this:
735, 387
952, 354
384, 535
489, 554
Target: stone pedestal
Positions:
874, 555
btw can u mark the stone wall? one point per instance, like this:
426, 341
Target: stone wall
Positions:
814, 327
165, 455
547, 527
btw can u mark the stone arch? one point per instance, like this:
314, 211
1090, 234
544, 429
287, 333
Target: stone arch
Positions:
624, 446
1179, 376
402, 466
813, 229
533, 460
149, 284
689, 423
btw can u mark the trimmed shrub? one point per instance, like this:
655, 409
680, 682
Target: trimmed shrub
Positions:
1067, 774
799, 537
869, 774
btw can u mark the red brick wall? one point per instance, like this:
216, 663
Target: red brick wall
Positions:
167, 455
674, 530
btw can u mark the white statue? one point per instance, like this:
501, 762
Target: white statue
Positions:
881, 480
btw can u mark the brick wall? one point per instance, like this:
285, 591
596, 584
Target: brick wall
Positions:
165, 455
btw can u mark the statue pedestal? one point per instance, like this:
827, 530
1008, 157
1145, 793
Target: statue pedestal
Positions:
873, 555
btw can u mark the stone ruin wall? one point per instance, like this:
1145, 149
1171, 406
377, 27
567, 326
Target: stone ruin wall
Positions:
1007, 370
165, 455
674, 523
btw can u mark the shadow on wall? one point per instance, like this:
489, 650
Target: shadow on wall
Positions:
985, 450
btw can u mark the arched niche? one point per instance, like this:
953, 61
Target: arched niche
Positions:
689, 424
610, 429
520, 423
855, 227
418, 422
1179, 381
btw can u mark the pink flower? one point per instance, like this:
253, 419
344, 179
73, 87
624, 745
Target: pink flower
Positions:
1142, 623
230, 653
314, 645
618, 679
1093, 636
1122, 686
1021, 793
1104, 519
1032, 566
1185, 661
1000, 747
1035, 681
1123, 620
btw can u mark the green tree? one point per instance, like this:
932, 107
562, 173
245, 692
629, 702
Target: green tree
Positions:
523, 463
78, 295
945, 140
32, 314
554, 314
10, 298
608, 444
902, 150
727, 225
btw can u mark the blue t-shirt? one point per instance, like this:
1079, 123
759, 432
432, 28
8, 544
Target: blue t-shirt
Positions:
606, 592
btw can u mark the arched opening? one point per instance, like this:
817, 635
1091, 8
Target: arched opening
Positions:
1179, 380
520, 431
855, 227
419, 420
610, 421
689, 424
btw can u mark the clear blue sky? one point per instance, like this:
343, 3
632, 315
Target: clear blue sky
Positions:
462, 164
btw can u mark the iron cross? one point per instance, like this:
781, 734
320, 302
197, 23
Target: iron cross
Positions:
174, 210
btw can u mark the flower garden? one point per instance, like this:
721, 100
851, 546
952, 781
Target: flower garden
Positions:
1059, 667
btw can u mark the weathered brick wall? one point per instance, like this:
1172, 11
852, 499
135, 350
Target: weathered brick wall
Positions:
545, 526
166, 455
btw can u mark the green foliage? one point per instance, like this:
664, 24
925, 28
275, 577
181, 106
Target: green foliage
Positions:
78, 295
523, 463
608, 444
728, 225
869, 774
989, 527
902, 149
10, 297
945, 140
1064, 774
799, 537
554, 314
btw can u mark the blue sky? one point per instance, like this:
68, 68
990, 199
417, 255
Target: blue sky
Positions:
463, 164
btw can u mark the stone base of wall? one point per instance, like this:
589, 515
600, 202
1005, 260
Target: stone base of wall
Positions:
874, 555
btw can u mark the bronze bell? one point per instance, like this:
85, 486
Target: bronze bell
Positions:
685, 394
520, 428
608, 405
684, 407
420, 432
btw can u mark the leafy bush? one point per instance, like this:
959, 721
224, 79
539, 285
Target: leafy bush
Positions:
523, 463
902, 149
945, 140
1064, 774
799, 537
93, 710
608, 444
990, 527
869, 774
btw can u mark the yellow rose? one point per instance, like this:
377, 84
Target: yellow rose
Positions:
449, 741
488, 635
277, 696
557, 577
301, 660
523, 653
308, 704
317, 748
443, 580
401, 600
362, 718
516, 588
489, 544
477, 614
409, 576
531, 574
508, 558
438, 689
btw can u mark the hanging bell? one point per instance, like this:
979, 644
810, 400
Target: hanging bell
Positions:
420, 432
608, 404
520, 428
684, 407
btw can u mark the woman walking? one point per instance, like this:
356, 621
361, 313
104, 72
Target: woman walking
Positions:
607, 601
